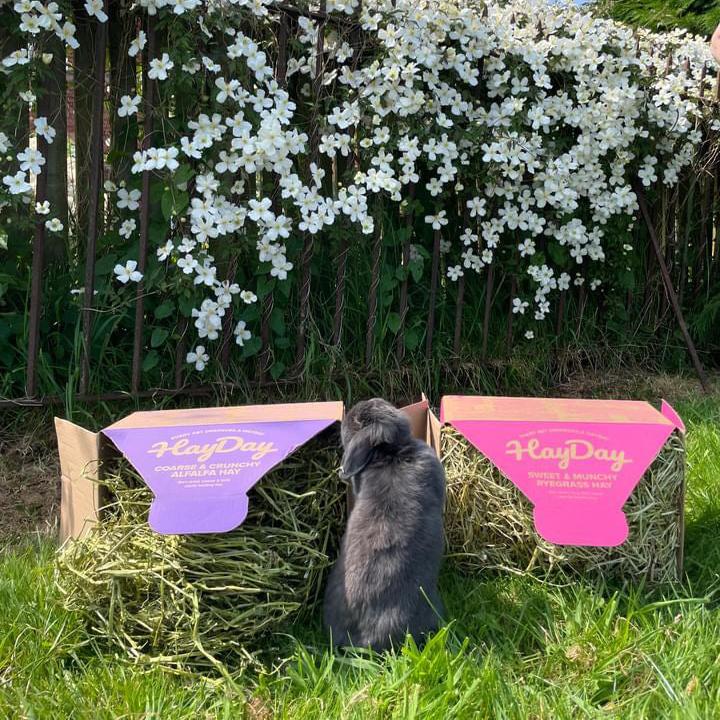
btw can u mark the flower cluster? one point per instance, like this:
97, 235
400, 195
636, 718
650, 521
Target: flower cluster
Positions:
522, 126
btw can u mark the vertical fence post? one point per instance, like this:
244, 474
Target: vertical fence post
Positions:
460, 296
488, 307
374, 283
400, 346
513, 290
268, 303
434, 278
307, 251
38, 261
344, 249
148, 102
96, 184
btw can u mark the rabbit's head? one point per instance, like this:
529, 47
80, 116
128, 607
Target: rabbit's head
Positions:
369, 426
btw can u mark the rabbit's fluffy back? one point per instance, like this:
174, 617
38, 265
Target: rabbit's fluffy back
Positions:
384, 583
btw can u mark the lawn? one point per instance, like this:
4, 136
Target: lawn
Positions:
516, 647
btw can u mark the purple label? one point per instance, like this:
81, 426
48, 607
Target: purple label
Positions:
200, 476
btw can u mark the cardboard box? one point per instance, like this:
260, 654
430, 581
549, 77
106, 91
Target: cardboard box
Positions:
200, 463
534, 479
84, 454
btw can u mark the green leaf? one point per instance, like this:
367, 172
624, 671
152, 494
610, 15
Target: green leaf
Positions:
416, 270
282, 343
251, 313
167, 203
557, 254
105, 264
412, 339
251, 347
151, 360
277, 321
265, 286
394, 322
277, 369
165, 309
186, 304
159, 336
284, 287
183, 174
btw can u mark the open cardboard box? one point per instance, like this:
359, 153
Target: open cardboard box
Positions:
85, 455
585, 483
242, 443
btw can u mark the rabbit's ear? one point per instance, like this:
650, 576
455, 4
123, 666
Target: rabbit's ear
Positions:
358, 453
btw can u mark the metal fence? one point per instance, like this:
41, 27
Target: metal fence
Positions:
681, 233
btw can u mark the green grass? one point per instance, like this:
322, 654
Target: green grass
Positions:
516, 647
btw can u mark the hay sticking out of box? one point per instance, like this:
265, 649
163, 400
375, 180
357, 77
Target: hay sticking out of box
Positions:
489, 522
204, 601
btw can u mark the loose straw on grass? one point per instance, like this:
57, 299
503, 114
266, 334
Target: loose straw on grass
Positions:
204, 602
489, 522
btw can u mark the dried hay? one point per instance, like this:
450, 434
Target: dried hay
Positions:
489, 522
202, 601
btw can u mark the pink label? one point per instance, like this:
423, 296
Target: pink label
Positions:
577, 475
200, 475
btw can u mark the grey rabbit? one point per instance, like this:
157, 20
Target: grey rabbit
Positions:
384, 583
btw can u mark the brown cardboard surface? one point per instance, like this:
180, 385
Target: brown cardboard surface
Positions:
79, 466
417, 415
220, 415
457, 407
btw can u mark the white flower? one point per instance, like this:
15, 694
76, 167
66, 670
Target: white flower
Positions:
159, 67
17, 183
128, 106
4, 143
280, 267
181, 6
163, 252
43, 129
67, 34
18, 57
241, 334
529, 335
187, 264
96, 8
205, 275
128, 272
54, 225
248, 297
32, 160
42, 208
519, 306
526, 248
455, 272
128, 200
137, 44
29, 97
199, 357
437, 221
127, 228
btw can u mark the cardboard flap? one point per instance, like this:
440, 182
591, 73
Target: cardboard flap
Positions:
494, 409
669, 412
424, 423
201, 464
331, 411
79, 467
417, 415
